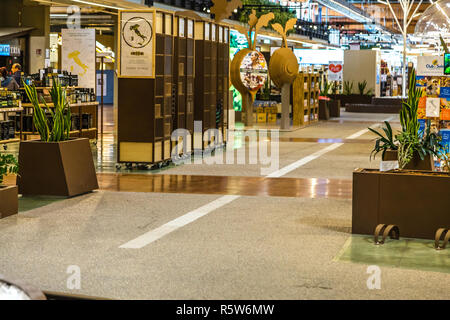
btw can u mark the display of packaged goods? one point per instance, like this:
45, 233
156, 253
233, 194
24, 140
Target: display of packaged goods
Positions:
9, 99
445, 134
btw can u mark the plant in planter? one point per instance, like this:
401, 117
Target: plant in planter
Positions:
411, 145
335, 103
57, 127
413, 150
385, 142
324, 108
55, 164
8, 194
348, 88
324, 88
362, 89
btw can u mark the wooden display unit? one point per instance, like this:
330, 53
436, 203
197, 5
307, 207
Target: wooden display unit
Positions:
223, 80
76, 109
4, 114
211, 78
183, 71
305, 98
145, 105
313, 107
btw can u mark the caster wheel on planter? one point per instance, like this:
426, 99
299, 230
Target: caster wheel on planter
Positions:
5, 147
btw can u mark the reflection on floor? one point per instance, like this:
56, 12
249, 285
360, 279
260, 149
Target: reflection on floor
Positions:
249, 186
405, 253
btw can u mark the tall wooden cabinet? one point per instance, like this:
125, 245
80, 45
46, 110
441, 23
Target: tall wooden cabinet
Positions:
183, 72
190, 84
211, 77
145, 104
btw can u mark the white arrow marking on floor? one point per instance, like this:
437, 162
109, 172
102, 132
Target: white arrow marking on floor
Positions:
191, 216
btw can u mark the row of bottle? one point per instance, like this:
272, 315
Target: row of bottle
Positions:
49, 75
82, 95
9, 99
86, 122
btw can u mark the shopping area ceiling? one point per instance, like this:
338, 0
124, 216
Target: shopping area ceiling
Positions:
99, 4
366, 21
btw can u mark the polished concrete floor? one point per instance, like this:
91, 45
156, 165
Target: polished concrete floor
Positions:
221, 231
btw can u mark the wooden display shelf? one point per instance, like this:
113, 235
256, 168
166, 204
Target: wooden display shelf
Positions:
9, 141
49, 88
76, 108
71, 131
72, 105
18, 109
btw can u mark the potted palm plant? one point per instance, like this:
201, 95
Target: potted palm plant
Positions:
9, 203
56, 164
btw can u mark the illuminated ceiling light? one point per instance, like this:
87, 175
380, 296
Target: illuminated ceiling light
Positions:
98, 4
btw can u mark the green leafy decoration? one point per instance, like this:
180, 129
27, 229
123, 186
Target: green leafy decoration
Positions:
348, 88
56, 127
281, 14
384, 142
8, 165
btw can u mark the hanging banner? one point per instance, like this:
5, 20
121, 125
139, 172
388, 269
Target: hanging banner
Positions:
335, 71
78, 55
137, 44
430, 66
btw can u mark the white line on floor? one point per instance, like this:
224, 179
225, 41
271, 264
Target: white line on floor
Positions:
191, 216
177, 223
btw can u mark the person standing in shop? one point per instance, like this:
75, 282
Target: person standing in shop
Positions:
16, 71
8, 82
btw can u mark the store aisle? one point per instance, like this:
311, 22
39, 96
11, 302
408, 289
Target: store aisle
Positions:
213, 231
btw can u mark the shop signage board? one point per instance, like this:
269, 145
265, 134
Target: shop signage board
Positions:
430, 66
137, 44
5, 50
78, 55
335, 71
